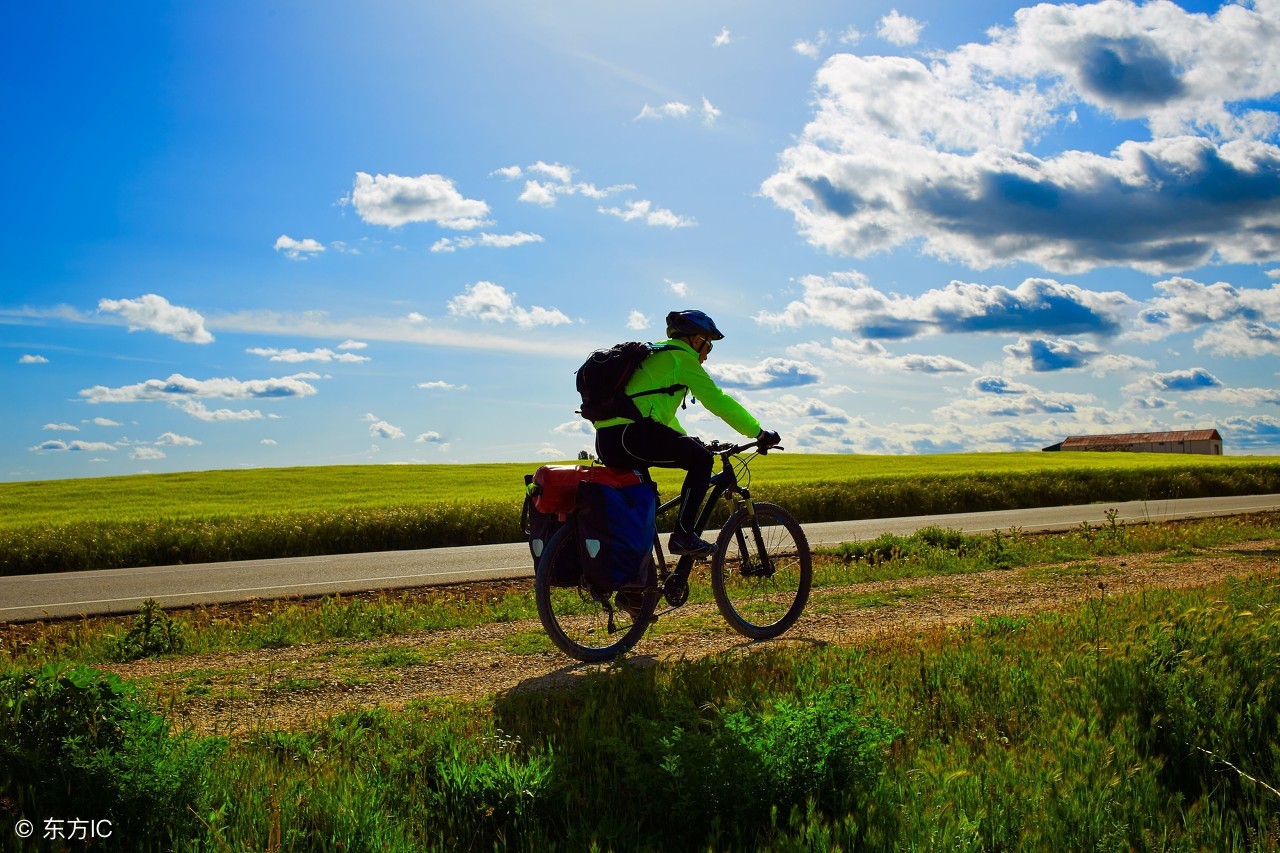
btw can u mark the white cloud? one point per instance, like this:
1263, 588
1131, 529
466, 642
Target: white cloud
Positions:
769, 373
722, 38
937, 154
847, 301
146, 454
485, 300
1045, 355
200, 411
710, 112
268, 442
154, 313
105, 422
498, 241
379, 428
559, 182
551, 452
430, 437
510, 173
61, 427
178, 388
995, 396
671, 109
349, 344
874, 357
636, 321
899, 29
644, 211
297, 250
850, 36
57, 445
173, 439
811, 49
393, 201
33, 359
293, 356
678, 288
578, 427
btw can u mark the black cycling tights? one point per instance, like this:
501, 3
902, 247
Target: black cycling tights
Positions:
648, 443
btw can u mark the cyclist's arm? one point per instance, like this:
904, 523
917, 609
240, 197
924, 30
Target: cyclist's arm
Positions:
729, 410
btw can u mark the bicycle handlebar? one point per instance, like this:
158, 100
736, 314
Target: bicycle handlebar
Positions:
734, 449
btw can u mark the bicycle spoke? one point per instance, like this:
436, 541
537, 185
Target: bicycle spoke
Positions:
762, 590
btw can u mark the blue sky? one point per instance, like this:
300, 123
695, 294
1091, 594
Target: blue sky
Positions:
301, 233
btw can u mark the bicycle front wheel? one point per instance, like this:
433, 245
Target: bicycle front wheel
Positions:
761, 571
586, 625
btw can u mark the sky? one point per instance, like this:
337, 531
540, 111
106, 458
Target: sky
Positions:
246, 234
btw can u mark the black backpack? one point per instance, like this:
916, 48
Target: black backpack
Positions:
603, 378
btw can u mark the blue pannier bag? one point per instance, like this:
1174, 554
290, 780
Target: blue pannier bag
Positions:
616, 528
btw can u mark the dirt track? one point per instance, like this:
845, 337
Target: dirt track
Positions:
235, 693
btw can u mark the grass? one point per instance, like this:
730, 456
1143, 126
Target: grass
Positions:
71, 525
1134, 722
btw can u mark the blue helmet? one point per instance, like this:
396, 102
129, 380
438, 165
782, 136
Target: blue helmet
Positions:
687, 323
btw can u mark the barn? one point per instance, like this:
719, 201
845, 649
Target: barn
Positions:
1206, 441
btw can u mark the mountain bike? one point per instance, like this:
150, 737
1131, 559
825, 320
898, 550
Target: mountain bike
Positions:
761, 571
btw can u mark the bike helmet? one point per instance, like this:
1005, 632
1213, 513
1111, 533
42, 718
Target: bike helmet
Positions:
687, 323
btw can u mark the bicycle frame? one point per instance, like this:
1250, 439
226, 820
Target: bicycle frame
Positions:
673, 584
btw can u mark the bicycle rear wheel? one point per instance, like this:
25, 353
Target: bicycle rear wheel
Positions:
579, 620
761, 584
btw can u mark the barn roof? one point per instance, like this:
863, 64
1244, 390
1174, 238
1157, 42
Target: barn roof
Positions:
1142, 438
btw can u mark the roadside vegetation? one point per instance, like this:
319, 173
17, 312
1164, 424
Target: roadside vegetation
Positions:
72, 525
1145, 720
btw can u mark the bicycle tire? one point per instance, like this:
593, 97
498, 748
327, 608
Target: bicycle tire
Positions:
575, 619
757, 604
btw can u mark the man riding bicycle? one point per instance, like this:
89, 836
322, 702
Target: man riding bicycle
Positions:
657, 438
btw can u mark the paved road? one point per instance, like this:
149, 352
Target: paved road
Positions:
69, 594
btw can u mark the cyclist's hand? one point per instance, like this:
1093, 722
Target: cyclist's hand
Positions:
768, 438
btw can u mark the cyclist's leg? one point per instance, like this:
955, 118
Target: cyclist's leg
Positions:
660, 445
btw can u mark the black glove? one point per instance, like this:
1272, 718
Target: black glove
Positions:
768, 438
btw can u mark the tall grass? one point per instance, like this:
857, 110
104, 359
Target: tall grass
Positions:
1135, 722
1010, 482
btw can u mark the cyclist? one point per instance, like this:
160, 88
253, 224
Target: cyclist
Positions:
658, 439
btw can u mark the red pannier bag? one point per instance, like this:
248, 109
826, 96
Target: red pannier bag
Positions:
555, 487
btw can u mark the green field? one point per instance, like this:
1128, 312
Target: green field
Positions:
70, 525
299, 490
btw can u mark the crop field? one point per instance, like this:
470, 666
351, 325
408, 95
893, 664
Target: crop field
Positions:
114, 522
1108, 688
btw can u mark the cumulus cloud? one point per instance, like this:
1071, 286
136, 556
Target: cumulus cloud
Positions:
874, 357
790, 408
677, 288
996, 396
847, 301
1046, 355
637, 321
497, 241
431, 437
297, 250
485, 300
33, 359
1181, 380
722, 38
770, 373
812, 48
671, 109
173, 439
393, 201
903, 151
379, 428
555, 180
200, 411
899, 29
105, 422
154, 313
178, 389
441, 385
350, 345
1255, 431
293, 356
57, 445
146, 454
1238, 322
61, 427
578, 427
645, 211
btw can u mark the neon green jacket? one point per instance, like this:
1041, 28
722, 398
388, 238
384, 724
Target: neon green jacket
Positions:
679, 366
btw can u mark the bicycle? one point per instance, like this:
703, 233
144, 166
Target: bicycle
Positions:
761, 571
